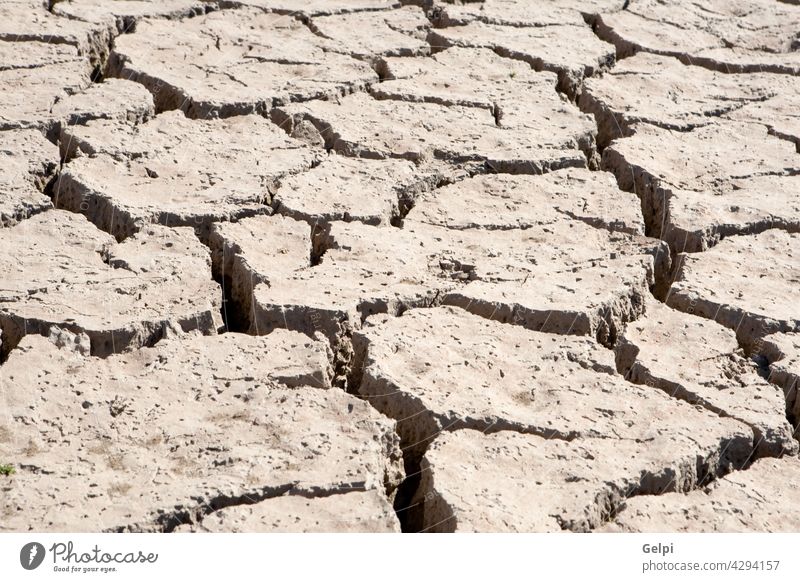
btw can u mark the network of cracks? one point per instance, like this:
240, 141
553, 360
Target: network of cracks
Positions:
382, 266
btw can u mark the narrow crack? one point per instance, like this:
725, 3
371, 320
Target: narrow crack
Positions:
168, 521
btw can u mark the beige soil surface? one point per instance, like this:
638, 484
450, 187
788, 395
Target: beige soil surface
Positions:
399, 265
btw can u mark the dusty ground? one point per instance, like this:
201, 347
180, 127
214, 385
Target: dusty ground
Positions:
354, 265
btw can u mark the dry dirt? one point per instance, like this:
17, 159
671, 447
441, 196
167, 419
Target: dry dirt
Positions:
399, 265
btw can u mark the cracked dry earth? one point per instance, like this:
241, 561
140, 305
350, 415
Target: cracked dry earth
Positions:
385, 265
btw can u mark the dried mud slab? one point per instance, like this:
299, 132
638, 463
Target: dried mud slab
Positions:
226, 433
360, 126
587, 289
503, 202
782, 353
356, 512
30, 20
113, 99
60, 271
443, 369
175, 171
516, 13
234, 62
779, 113
37, 89
369, 34
28, 163
33, 54
699, 361
760, 499
518, 97
570, 50
741, 36
521, 13
590, 287
700, 186
464, 77
511, 482
360, 270
125, 14
365, 270
46, 99
592, 299
314, 7
663, 91
52, 84
375, 192
734, 285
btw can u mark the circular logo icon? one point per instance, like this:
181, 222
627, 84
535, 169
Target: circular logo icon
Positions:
31, 555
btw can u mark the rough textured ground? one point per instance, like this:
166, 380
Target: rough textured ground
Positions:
391, 265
